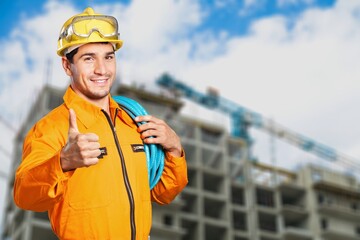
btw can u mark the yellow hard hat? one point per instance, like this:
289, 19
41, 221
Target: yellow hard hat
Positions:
88, 27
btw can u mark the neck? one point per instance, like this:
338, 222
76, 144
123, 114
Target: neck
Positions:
102, 103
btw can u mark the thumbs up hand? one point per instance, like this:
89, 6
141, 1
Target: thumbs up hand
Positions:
81, 150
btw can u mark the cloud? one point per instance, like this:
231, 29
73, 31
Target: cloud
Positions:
301, 72
28, 49
155, 37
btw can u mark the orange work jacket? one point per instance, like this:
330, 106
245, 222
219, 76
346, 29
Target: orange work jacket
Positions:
109, 200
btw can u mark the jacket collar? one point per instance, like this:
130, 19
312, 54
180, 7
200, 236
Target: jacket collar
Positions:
87, 113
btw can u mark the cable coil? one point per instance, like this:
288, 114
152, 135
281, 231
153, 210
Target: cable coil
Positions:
155, 156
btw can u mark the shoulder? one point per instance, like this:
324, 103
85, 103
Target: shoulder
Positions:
54, 121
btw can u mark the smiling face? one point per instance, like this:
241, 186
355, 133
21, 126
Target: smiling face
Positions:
92, 72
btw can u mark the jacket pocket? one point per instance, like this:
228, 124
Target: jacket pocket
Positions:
88, 189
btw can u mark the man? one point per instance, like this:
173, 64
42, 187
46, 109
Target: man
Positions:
79, 162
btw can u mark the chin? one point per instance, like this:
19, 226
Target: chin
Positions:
100, 94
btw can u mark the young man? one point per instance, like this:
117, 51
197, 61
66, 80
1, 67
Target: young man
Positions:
79, 162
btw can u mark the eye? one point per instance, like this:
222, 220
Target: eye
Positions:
88, 59
109, 57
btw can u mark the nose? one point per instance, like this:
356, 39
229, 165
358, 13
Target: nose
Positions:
100, 67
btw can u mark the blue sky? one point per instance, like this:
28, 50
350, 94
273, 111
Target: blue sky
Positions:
229, 17
222, 15
294, 61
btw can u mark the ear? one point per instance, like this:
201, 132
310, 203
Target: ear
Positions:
66, 65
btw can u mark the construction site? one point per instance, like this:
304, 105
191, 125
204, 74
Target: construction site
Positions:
230, 195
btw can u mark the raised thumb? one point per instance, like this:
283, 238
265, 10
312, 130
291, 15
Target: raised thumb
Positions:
73, 128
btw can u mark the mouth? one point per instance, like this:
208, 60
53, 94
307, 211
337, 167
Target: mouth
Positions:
99, 82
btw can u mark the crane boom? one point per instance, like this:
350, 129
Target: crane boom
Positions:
242, 118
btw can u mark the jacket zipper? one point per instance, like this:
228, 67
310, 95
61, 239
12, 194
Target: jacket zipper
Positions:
125, 175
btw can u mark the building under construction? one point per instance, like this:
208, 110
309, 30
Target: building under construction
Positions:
229, 196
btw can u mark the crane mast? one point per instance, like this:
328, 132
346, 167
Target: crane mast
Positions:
242, 118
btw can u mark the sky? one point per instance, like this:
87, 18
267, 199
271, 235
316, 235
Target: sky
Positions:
296, 62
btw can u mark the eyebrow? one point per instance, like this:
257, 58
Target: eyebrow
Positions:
94, 54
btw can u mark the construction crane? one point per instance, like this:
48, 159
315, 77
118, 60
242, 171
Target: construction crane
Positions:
242, 118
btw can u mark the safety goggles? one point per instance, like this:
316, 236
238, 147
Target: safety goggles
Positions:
84, 26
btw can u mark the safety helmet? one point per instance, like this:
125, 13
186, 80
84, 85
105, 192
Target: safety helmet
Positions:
88, 27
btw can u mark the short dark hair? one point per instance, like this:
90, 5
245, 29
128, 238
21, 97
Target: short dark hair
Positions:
70, 56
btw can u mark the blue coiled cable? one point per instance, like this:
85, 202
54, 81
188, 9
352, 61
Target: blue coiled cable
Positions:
155, 156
